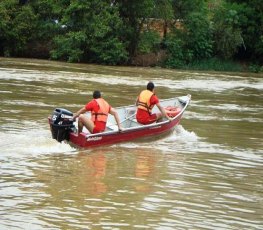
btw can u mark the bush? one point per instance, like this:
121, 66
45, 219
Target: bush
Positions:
227, 32
69, 47
255, 68
191, 42
149, 42
109, 52
216, 64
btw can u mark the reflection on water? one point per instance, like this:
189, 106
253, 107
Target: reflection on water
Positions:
207, 174
145, 167
94, 168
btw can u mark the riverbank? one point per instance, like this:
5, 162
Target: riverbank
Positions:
212, 64
157, 61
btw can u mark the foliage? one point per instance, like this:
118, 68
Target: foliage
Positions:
69, 46
227, 32
178, 56
133, 14
193, 42
17, 25
182, 8
109, 52
215, 64
163, 9
4, 26
92, 33
199, 35
49, 13
251, 24
113, 32
255, 68
149, 42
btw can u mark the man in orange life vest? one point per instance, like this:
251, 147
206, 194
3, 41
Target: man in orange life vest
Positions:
145, 103
99, 109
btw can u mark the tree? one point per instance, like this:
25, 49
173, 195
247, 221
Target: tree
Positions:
134, 14
91, 33
164, 10
251, 25
184, 7
193, 40
49, 13
22, 2
227, 32
17, 25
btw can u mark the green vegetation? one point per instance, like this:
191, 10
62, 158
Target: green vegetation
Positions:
149, 42
194, 34
215, 64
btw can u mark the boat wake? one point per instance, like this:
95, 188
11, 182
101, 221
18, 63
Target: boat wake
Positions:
182, 135
32, 142
179, 139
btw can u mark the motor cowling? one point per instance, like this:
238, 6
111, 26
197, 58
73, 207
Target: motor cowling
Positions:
61, 124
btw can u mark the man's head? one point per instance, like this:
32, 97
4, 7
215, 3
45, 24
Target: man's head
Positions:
150, 86
96, 94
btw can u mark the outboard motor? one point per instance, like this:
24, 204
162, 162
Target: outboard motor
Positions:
61, 124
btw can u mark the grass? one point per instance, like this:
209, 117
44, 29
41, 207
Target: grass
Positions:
216, 65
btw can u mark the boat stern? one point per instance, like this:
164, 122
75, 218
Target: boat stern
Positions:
61, 124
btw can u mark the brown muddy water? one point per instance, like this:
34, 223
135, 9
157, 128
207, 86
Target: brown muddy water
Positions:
207, 174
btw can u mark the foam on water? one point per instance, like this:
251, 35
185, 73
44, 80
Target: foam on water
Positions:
211, 84
168, 143
182, 135
184, 141
193, 143
31, 140
25, 103
191, 82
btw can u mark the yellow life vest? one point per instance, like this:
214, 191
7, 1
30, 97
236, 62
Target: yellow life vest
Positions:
143, 101
103, 111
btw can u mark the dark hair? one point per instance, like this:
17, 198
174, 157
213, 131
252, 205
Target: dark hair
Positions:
150, 86
96, 94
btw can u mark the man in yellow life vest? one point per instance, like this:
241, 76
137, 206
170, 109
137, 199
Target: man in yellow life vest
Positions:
145, 103
99, 109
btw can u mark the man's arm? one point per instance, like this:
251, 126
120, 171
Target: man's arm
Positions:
82, 110
116, 116
163, 111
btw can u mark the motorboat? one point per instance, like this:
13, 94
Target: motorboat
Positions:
64, 128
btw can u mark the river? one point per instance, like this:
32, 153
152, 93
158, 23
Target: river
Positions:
207, 174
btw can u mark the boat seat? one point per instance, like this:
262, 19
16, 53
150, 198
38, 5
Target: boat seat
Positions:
129, 112
112, 128
132, 123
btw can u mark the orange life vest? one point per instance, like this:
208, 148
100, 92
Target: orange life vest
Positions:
143, 101
103, 111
